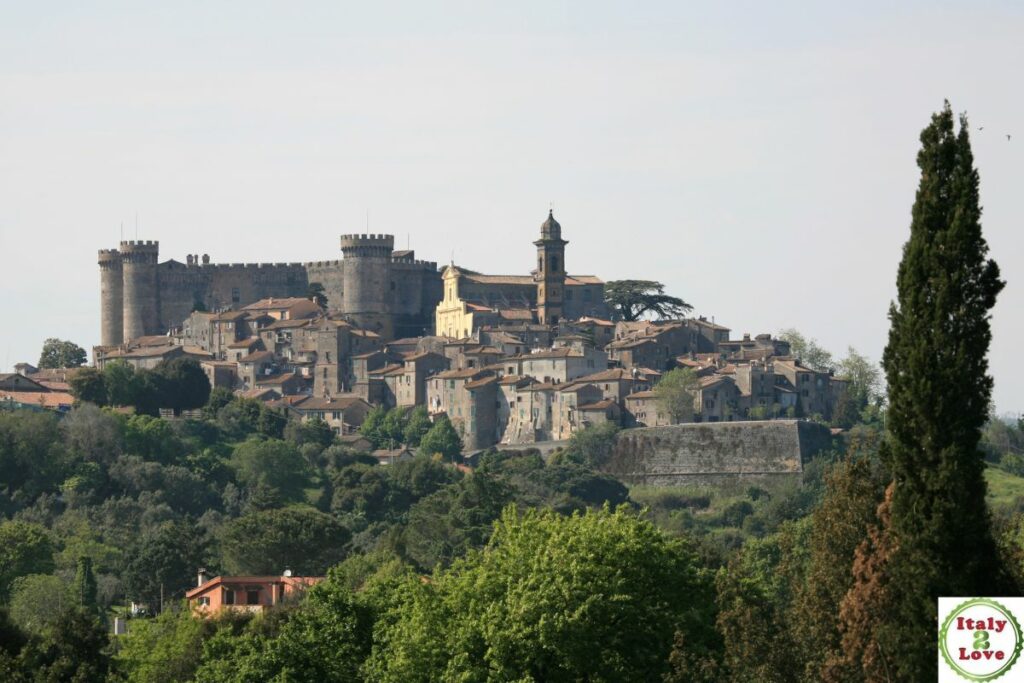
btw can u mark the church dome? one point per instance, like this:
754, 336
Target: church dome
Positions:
551, 229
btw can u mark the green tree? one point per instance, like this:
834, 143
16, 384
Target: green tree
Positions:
85, 584
36, 600
119, 378
442, 439
939, 392
591, 447
371, 427
277, 465
164, 562
58, 353
417, 425
676, 393
315, 293
88, 385
163, 650
73, 648
598, 596
186, 386
298, 538
632, 299
808, 351
24, 549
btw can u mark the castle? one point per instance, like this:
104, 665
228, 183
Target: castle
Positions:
374, 286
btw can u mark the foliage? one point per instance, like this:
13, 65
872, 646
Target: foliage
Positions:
298, 538
676, 394
528, 608
89, 385
591, 447
315, 293
162, 650
416, 426
442, 439
162, 564
84, 587
72, 648
939, 393
36, 600
808, 351
630, 300
58, 353
276, 465
24, 549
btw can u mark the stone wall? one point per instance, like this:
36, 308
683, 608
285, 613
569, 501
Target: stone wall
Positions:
710, 453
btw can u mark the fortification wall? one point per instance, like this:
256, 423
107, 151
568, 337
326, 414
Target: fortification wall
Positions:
709, 453
223, 285
330, 274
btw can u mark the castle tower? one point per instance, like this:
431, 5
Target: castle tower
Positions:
550, 273
367, 281
111, 298
141, 297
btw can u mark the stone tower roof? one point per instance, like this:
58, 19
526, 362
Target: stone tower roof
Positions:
551, 229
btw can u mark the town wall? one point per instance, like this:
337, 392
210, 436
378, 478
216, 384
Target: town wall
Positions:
713, 453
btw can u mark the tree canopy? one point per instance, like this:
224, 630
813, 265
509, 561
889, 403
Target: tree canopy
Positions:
631, 300
58, 353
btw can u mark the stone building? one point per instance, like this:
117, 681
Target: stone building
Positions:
377, 287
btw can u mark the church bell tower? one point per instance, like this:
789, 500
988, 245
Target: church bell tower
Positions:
550, 273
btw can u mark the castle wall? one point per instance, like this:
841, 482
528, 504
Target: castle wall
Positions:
367, 281
708, 453
330, 274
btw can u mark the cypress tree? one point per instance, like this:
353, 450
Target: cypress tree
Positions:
939, 393
85, 583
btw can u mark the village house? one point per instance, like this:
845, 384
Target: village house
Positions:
246, 593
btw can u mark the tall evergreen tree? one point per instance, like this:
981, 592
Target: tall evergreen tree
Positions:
85, 583
939, 392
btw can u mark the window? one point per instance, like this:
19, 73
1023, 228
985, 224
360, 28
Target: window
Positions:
236, 296
229, 596
568, 295
540, 263
586, 295
204, 601
252, 597
554, 264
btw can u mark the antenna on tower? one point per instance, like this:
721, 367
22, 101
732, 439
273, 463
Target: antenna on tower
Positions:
122, 231
136, 226
367, 220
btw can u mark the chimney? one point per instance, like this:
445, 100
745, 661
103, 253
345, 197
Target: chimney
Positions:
203, 577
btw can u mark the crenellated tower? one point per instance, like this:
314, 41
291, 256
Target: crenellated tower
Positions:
141, 294
111, 298
367, 281
550, 273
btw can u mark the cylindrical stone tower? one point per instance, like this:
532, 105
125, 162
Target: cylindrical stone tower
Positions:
367, 281
141, 299
111, 298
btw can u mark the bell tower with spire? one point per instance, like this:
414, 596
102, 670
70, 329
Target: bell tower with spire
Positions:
550, 273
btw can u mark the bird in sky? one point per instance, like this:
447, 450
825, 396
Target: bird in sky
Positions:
981, 127
1007, 137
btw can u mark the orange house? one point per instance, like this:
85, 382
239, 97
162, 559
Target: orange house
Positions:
246, 593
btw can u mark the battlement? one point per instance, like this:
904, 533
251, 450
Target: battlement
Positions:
356, 241
109, 256
321, 264
140, 245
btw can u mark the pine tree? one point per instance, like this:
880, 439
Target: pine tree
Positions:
939, 392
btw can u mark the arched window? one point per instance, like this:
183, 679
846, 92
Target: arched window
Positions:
540, 263
554, 264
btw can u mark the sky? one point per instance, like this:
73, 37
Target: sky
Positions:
757, 158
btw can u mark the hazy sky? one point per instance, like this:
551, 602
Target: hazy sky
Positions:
756, 157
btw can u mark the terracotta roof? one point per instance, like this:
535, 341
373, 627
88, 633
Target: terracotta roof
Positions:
574, 387
391, 367
458, 374
610, 375
364, 333
329, 403
274, 304
482, 382
230, 316
517, 379
577, 280
244, 343
260, 393
599, 405
287, 324
279, 378
44, 399
220, 580
516, 313
642, 394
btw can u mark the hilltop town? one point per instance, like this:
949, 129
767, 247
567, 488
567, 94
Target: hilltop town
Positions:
510, 359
